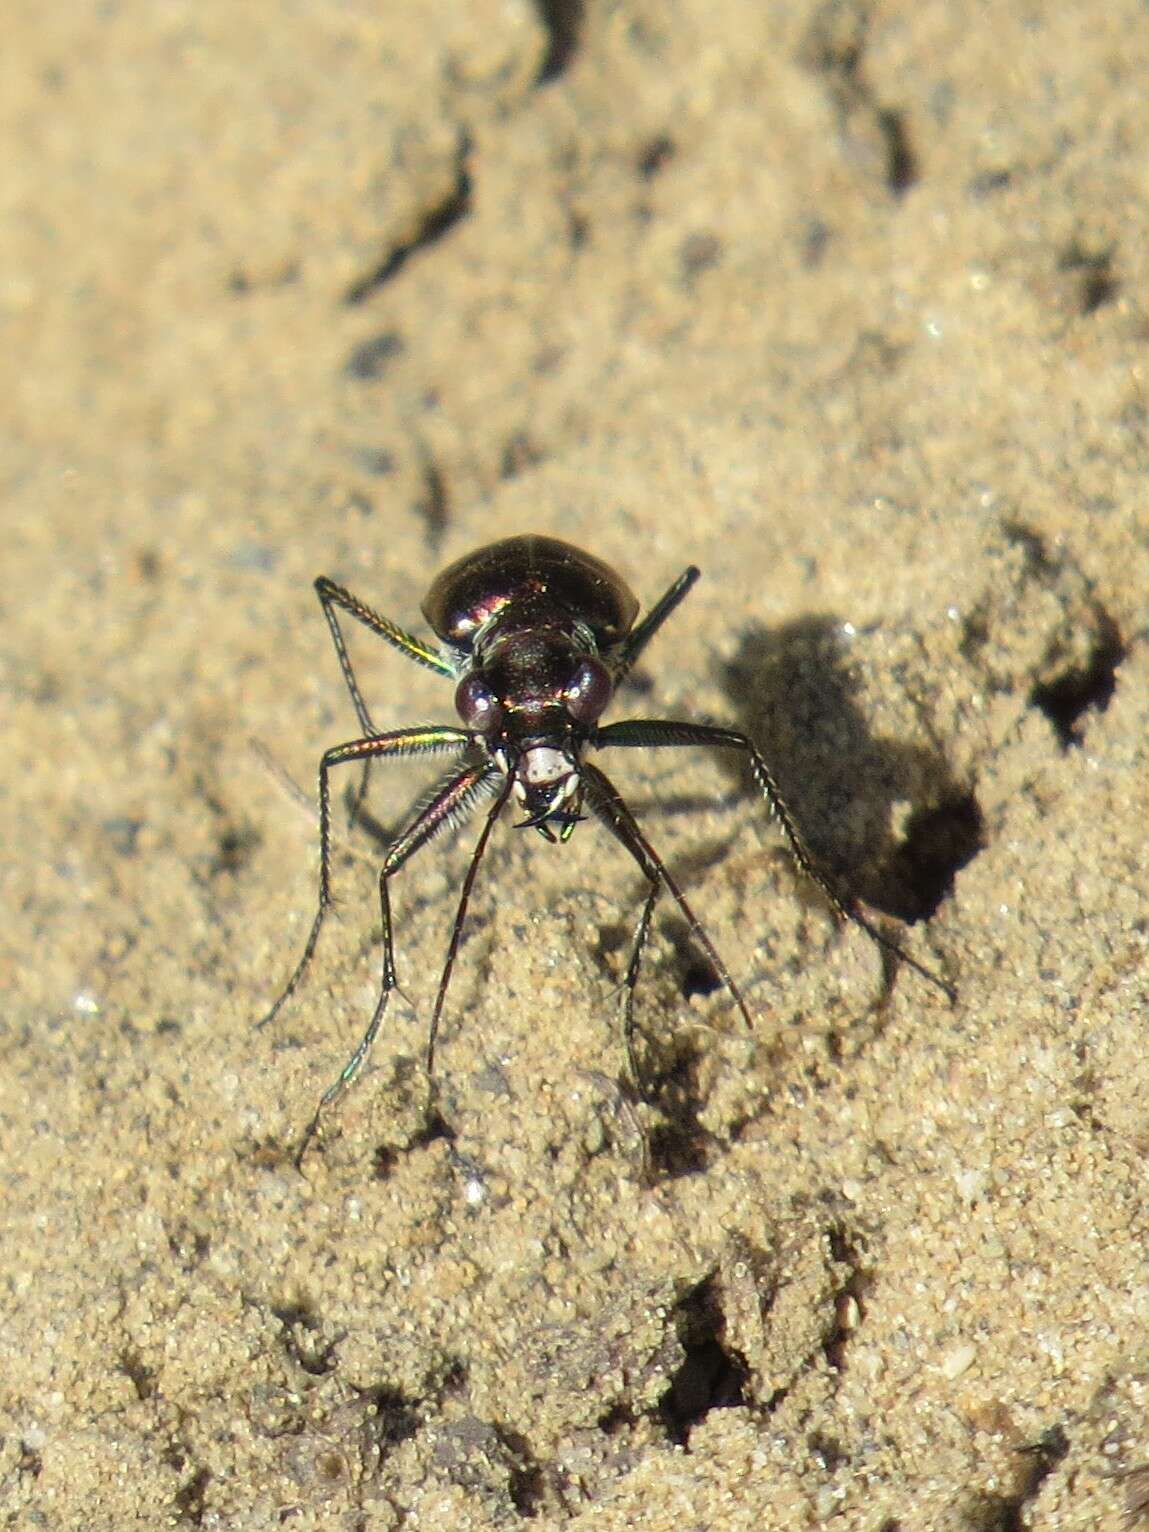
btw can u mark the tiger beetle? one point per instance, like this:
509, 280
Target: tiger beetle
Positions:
537, 636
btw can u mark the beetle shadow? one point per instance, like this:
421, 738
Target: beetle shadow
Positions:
795, 694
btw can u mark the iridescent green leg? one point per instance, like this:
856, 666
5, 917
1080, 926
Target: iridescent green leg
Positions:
605, 800
425, 741
451, 803
628, 651
658, 732
331, 597
460, 918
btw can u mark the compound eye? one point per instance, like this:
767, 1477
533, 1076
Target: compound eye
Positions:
477, 704
588, 691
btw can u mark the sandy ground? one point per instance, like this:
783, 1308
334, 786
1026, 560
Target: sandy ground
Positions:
848, 305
